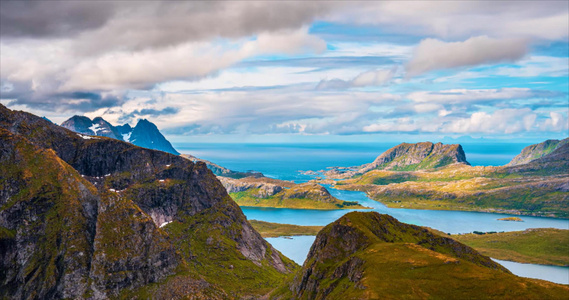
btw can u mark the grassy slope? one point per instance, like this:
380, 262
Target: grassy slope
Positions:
282, 200
267, 229
415, 272
212, 254
398, 261
489, 189
545, 246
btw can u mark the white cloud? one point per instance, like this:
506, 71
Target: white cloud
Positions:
556, 122
502, 121
463, 19
466, 95
372, 78
364, 79
432, 54
254, 112
53, 68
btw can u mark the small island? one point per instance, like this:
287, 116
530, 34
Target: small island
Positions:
267, 229
513, 219
268, 192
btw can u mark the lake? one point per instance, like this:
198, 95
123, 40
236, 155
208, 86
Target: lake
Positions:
284, 161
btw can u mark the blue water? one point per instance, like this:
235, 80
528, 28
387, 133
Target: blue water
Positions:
284, 161
297, 247
448, 221
294, 247
551, 273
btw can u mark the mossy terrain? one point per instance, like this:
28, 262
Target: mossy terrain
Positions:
373, 256
536, 151
101, 218
267, 229
538, 188
546, 246
511, 219
54, 201
283, 200
267, 192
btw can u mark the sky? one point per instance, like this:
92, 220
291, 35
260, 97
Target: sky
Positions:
286, 71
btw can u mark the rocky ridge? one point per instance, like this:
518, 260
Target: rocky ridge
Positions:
419, 156
144, 134
536, 151
406, 157
98, 218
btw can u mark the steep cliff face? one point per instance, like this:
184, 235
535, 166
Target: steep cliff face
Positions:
41, 195
536, 151
118, 217
409, 157
373, 256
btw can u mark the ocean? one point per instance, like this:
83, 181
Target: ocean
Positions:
286, 161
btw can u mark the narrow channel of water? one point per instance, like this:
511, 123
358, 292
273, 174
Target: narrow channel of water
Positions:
454, 222
550, 273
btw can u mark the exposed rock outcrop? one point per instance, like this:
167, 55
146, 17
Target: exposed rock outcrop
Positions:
85, 218
418, 156
536, 151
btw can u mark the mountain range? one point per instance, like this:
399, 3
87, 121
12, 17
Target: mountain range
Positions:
99, 218
144, 134
93, 217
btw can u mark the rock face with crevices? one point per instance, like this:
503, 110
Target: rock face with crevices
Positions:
419, 156
99, 218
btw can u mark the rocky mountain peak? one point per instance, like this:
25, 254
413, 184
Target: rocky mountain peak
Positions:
424, 155
144, 134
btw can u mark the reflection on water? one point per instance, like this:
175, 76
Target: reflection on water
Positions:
551, 273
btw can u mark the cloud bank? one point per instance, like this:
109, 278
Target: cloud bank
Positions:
432, 54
